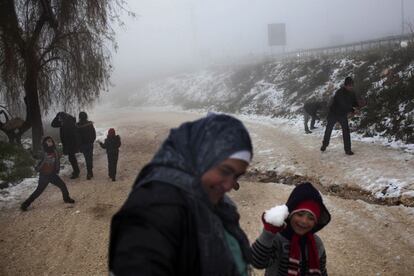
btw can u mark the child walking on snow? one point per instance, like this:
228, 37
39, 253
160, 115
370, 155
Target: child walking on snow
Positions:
48, 169
288, 244
112, 144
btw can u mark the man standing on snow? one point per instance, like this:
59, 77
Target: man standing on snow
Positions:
344, 102
310, 111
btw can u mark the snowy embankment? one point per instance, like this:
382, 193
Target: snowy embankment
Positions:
280, 89
383, 171
273, 94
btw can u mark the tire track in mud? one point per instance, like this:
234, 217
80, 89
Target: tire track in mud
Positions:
345, 192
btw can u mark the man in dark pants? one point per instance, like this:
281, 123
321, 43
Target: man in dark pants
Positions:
344, 102
310, 110
87, 135
69, 138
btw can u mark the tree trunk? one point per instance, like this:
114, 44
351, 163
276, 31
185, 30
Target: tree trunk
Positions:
33, 116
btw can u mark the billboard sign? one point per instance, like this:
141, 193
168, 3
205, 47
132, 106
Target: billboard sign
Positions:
276, 34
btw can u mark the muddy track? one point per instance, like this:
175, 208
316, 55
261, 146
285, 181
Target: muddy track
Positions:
55, 239
344, 191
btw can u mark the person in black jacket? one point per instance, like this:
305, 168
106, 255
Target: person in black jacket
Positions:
177, 219
344, 102
48, 169
87, 136
69, 137
112, 144
311, 109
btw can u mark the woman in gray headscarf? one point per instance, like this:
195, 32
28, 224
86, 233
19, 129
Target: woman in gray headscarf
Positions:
177, 219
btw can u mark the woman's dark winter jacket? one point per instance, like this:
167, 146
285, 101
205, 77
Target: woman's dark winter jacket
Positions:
154, 234
168, 226
68, 131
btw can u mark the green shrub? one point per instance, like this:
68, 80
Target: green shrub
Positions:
15, 163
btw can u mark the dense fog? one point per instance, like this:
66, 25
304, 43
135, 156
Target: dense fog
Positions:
171, 35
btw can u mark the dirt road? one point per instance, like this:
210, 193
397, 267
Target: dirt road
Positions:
54, 238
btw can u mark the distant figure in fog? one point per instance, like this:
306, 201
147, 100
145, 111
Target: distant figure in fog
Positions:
87, 136
48, 169
310, 110
69, 137
112, 144
344, 102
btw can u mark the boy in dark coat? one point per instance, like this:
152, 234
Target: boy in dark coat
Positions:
344, 102
87, 136
48, 169
311, 109
69, 137
112, 144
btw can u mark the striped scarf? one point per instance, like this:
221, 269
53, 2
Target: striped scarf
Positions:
294, 256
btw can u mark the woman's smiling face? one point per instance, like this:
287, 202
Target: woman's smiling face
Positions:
222, 178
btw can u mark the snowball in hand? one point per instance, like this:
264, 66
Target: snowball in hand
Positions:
277, 215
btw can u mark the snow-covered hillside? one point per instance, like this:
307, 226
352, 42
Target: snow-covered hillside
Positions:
279, 88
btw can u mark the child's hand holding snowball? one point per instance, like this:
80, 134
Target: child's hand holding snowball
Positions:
274, 219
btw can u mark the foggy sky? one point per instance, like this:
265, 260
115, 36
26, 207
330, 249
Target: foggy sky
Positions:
171, 34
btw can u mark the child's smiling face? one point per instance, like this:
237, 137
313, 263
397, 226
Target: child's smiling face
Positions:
302, 222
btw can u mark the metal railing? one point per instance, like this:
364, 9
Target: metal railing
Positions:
385, 42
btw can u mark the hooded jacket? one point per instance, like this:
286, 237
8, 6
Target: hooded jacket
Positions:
68, 131
272, 251
87, 132
111, 144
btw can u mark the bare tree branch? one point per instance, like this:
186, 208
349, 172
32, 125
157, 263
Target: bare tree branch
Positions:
54, 52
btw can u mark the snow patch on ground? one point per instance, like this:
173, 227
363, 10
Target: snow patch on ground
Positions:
17, 192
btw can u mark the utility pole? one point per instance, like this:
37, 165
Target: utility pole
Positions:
402, 17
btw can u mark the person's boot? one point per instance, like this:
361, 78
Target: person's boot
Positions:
74, 175
24, 206
89, 175
349, 152
323, 148
69, 200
